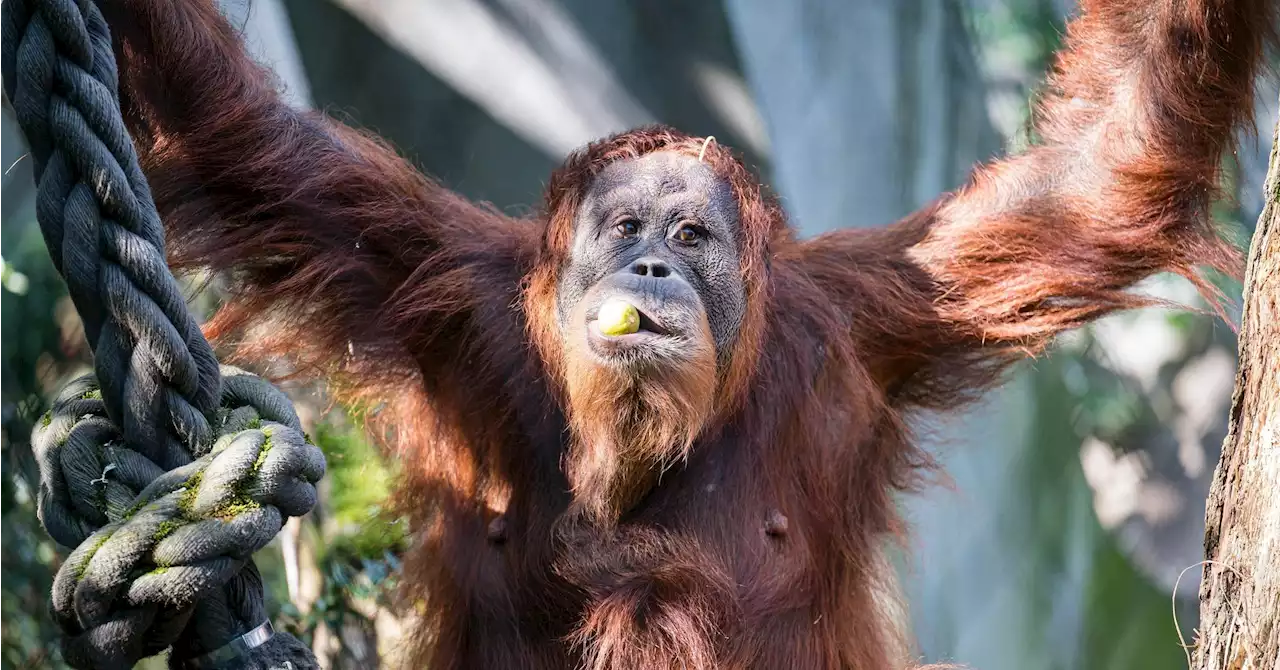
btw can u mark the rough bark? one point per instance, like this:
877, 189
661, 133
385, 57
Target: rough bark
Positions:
1240, 593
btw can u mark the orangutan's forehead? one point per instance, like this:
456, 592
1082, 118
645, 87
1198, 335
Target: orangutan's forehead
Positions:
676, 180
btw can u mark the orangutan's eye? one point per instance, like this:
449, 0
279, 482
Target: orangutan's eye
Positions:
627, 228
688, 234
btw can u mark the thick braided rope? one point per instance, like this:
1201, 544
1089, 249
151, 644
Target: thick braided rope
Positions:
156, 547
159, 375
126, 592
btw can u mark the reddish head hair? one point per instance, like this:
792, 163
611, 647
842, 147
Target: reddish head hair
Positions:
761, 219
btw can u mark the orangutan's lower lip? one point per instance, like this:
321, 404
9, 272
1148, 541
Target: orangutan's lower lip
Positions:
647, 324
611, 344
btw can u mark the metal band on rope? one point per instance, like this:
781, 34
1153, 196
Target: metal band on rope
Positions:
234, 649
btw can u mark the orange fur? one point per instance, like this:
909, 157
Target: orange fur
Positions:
760, 546
629, 428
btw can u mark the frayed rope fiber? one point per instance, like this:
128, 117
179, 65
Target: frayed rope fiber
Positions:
165, 471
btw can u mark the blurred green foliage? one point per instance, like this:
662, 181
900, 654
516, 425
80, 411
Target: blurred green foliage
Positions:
31, 348
358, 548
1125, 622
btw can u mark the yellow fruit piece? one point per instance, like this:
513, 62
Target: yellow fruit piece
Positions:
618, 317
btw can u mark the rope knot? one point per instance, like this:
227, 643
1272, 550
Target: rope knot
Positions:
154, 544
164, 475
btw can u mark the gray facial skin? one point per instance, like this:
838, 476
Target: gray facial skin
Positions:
630, 241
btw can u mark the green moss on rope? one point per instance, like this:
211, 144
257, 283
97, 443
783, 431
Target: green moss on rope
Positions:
98, 541
95, 394
187, 503
165, 529
137, 507
262, 454
46, 419
234, 508
241, 501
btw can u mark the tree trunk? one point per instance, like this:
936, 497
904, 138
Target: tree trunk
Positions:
1240, 593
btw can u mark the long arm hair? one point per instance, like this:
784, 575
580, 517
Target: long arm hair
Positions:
363, 265
1140, 109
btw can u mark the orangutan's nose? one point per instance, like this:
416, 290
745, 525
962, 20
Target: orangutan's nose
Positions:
651, 267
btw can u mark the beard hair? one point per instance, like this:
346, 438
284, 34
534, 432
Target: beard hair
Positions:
631, 422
